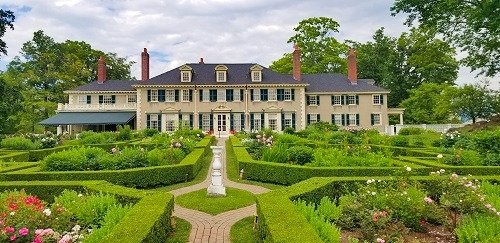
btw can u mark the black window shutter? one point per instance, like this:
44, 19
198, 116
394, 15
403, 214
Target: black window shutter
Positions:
282, 121
190, 95
229, 94
293, 94
180, 118
333, 98
241, 95
307, 100
343, 99
373, 119
357, 119
343, 119
381, 99
159, 122
191, 121
212, 122
293, 121
89, 99
201, 94
251, 94
263, 94
357, 99
161, 95
176, 94
149, 95
231, 122
280, 93
101, 99
113, 99
252, 122
262, 121
317, 99
333, 119
242, 121
308, 119
148, 120
200, 121
318, 118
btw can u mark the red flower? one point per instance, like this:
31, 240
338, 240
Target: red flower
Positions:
9, 229
12, 206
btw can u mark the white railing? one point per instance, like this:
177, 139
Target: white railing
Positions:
443, 128
96, 107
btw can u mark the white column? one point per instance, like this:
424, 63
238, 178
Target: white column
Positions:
216, 188
59, 130
400, 118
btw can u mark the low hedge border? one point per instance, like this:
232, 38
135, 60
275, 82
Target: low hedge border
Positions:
275, 209
462, 170
15, 166
147, 221
146, 177
17, 156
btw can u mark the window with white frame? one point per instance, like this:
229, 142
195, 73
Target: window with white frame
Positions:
337, 119
154, 95
170, 95
131, 98
257, 122
313, 118
153, 121
205, 122
236, 95
376, 119
288, 94
272, 95
107, 99
237, 121
221, 95
256, 94
206, 95
313, 100
82, 99
170, 122
185, 122
377, 100
221, 76
351, 99
185, 76
272, 121
337, 100
256, 76
288, 120
352, 119
185, 95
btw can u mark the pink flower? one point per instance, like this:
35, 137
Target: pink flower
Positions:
38, 231
379, 240
488, 206
38, 239
9, 229
47, 232
13, 237
65, 239
428, 200
24, 231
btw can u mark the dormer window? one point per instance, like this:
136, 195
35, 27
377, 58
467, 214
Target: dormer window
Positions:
186, 73
221, 73
256, 73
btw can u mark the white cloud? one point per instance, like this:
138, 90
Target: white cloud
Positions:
177, 32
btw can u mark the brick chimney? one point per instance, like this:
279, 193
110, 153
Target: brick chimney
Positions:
145, 64
352, 69
101, 70
296, 63
201, 60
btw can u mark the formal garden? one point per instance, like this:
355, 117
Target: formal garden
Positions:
325, 185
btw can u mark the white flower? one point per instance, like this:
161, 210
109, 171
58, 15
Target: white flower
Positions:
428, 200
47, 211
374, 193
379, 240
441, 171
80, 195
408, 168
12, 213
76, 228
439, 156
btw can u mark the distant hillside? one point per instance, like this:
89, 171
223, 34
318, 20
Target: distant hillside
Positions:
493, 124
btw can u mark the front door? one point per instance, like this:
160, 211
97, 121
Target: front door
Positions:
222, 123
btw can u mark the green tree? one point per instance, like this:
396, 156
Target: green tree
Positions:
320, 51
46, 68
9, 105
473, 26
6, 19
404, 63
429, 104
474, 101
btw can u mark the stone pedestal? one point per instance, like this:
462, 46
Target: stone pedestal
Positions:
216, 187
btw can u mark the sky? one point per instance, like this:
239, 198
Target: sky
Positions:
182, 31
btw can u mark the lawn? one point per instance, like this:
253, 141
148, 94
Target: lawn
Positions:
199, 200
243, 231
180, 232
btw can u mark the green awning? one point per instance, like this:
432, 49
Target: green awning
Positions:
89, 118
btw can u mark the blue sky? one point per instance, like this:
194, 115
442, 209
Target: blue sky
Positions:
177, 32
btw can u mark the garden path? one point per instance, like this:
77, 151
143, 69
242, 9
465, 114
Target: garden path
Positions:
208, 228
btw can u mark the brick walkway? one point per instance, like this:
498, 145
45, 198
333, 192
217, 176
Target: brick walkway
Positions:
208, 228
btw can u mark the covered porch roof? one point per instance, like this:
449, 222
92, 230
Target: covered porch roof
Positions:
89, 118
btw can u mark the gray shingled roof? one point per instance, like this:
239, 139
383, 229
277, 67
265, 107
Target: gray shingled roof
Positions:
205, 74
108, 85
334, 82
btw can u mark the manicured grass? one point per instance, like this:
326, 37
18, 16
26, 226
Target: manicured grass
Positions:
180, 234
199, 200
243, 232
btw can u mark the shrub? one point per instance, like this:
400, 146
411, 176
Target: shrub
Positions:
289, 130
149, 132
124, 133
492, 159
411, 131
327, 231
19, 143
354, 156
110, 220
300, 155
478, 228
69, 160
277, 153
487, 141
90, 137
338, 137
400, 141
464, 157
289, 139
130, 158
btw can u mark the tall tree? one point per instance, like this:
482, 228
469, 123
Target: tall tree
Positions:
473, 26
9, 105
46, 68
321, 52
474, 101
429, 104
404, 63
6, 21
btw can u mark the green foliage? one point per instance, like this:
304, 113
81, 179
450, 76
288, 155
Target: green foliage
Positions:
428, 104
6, 21
288, 130
400, 141
464, 157
170, 156
90, 137
149, 132
243, 231
277, 153
124, 133
474, 101
478, 228
19, 143
327, 231
351, 156
300, 155
110, 220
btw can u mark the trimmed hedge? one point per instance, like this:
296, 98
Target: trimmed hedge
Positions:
145, 177
147, 221
461, 170
12, 155
15, 166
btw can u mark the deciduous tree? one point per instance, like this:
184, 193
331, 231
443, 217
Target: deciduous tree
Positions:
6, 21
